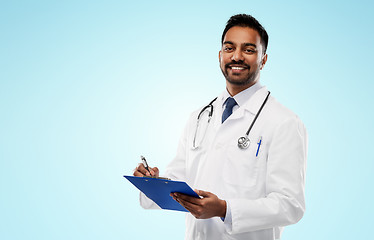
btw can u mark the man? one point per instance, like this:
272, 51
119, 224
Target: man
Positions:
246, 193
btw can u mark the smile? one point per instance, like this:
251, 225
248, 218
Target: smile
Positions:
237, 67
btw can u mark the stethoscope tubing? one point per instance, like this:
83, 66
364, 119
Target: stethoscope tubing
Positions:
210, 105
207, 106
257, 114
243, 142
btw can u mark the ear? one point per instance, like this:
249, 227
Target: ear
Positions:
263, 61
219, 55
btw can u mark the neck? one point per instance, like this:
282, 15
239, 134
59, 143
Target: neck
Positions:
234, 89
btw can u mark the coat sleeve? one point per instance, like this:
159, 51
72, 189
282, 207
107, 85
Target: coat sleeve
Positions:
284, 203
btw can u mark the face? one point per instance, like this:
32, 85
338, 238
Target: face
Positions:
241, 57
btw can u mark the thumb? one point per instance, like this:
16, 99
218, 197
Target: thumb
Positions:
203, 193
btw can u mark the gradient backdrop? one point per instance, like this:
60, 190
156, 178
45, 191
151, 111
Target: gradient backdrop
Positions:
86, 87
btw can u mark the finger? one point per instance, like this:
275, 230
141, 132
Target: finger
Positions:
192, 208
155, 171
188, 198
195, 210
136, 172
141, 171
203, 193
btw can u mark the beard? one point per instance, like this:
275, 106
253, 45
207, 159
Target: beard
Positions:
237, 79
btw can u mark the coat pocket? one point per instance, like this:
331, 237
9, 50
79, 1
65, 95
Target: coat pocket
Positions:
241, 166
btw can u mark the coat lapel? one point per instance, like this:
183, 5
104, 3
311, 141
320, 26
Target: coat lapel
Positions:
252, 105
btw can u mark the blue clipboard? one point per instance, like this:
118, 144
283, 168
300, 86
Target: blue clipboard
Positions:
159, 191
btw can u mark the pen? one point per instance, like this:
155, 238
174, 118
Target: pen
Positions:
259, 144
145, 164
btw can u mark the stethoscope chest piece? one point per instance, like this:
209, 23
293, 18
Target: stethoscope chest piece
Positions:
243, 142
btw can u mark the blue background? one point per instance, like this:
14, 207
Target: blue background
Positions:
86, 87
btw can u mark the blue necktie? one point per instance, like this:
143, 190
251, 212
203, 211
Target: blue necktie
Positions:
230, 103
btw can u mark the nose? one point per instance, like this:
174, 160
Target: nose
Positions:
237, 56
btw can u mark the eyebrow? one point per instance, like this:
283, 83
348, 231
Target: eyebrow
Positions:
250, 44
246, 44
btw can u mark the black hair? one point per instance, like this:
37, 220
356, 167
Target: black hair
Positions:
245, 20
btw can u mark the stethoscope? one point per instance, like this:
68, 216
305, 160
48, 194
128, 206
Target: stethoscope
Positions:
243, 142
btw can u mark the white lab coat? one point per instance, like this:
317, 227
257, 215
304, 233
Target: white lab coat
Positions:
264, 193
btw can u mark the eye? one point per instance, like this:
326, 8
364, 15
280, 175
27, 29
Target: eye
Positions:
227, 49
250, 51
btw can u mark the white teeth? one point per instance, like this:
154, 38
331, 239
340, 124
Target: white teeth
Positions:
237, 68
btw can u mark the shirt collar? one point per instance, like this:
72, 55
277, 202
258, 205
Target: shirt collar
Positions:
242, 97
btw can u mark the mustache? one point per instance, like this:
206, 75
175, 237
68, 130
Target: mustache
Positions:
236, 64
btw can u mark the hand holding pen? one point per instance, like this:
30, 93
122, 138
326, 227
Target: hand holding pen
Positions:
144, 170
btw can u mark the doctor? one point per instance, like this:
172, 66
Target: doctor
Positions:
247, 162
